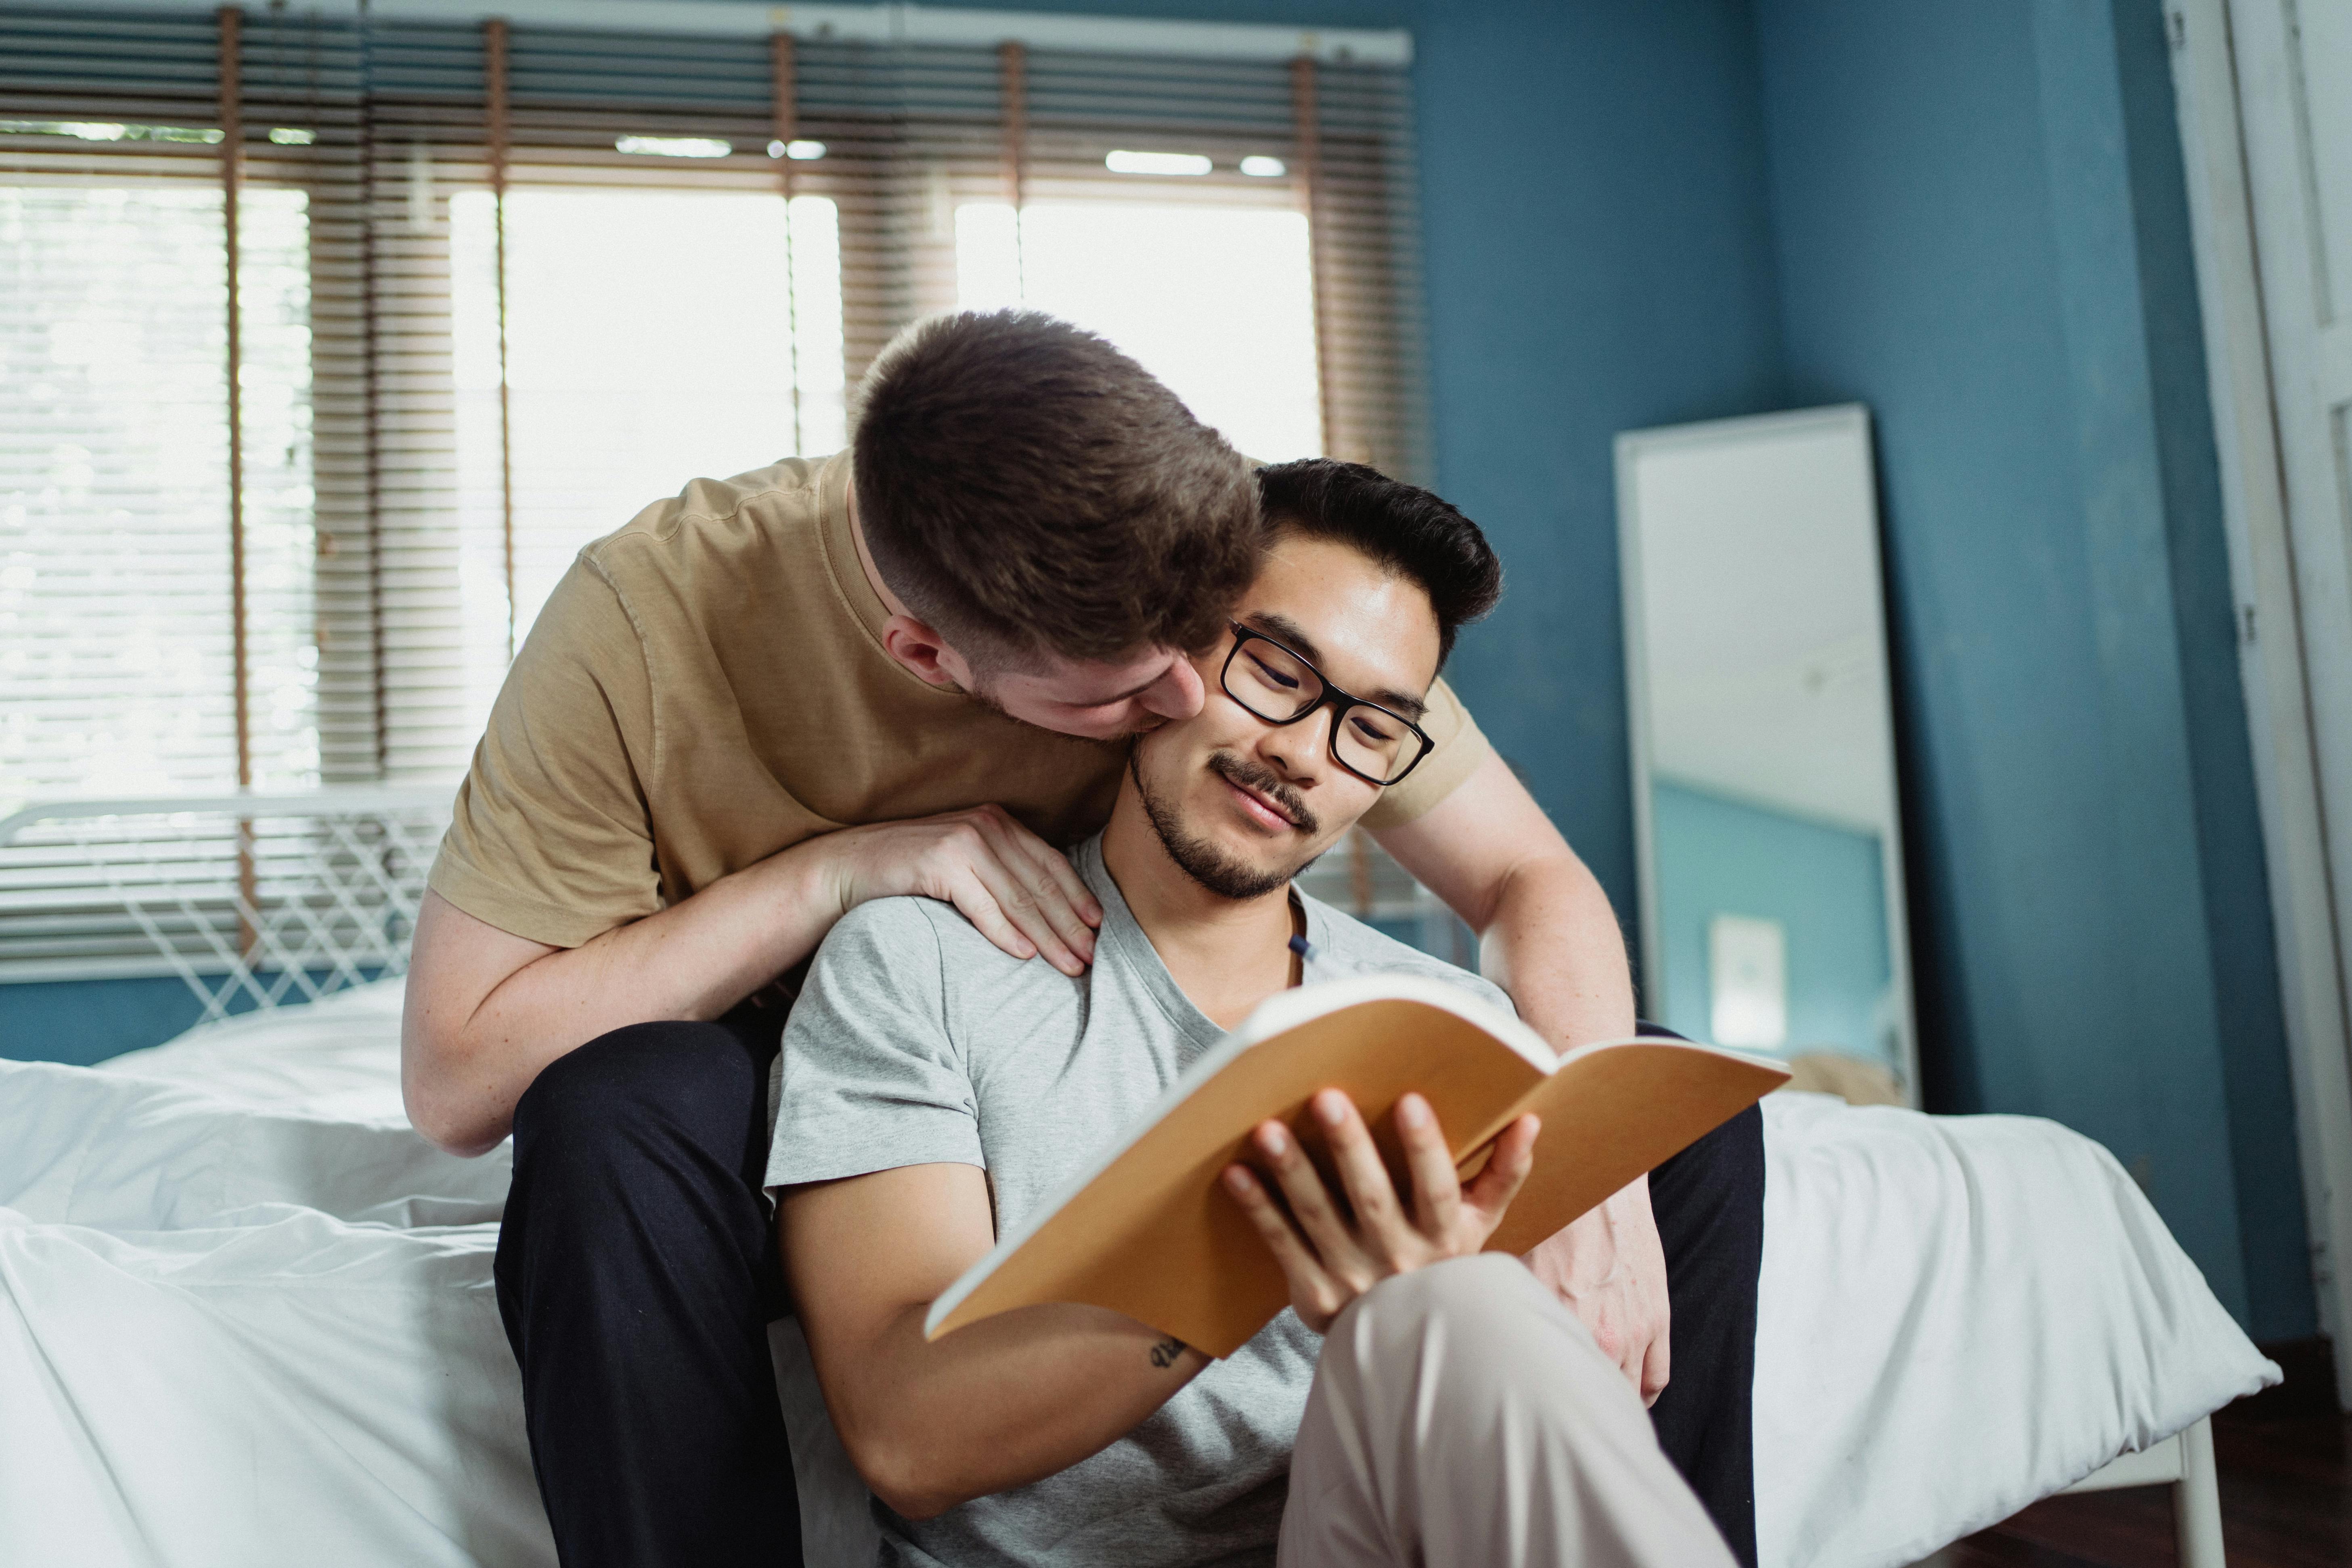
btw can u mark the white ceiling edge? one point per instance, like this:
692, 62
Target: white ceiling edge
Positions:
900, 24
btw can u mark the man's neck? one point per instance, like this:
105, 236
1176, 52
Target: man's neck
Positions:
1226, 954
890, 600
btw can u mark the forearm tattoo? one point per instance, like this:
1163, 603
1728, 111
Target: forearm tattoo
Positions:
1165, 1353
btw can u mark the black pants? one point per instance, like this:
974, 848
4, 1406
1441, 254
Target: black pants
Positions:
637, 1273
1709, 1202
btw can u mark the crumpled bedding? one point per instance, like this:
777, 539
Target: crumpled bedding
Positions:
246, 1319
1959, 1315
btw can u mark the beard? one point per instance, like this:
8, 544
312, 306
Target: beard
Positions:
1203, 861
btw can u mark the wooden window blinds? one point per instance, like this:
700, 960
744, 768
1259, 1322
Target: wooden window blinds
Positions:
325, 342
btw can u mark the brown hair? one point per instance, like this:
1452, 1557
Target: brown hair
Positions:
1026, 487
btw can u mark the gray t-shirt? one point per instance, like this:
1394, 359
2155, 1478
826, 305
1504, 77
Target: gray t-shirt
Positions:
917, 1041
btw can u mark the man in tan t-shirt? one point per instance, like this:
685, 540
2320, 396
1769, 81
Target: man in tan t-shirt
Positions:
911, 668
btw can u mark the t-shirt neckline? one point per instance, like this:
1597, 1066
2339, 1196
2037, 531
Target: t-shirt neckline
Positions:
1122, 939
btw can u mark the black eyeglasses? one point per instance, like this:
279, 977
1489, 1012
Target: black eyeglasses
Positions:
1280, 687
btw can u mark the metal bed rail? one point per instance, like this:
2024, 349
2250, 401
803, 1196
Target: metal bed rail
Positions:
2184, 1462
253, 899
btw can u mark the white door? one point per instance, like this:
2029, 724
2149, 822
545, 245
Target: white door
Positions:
2294, 73
2266, 123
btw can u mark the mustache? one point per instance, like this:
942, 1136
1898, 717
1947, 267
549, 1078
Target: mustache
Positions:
1255, 776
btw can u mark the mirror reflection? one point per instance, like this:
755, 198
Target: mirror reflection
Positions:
1764, 763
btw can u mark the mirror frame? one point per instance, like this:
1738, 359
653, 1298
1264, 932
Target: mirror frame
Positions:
1631, 447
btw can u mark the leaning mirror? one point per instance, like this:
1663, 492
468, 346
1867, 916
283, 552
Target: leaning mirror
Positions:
1770, 824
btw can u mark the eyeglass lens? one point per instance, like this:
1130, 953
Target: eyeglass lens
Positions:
1277, 686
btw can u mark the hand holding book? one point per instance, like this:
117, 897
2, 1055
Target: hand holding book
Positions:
1151, 1230
1332, 1251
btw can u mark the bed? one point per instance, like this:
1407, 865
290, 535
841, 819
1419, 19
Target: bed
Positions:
247, 1318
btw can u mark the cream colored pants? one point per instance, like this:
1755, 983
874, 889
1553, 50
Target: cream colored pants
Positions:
1462, 1417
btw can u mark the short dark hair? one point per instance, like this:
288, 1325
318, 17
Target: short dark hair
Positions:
1403, 527
1026, 487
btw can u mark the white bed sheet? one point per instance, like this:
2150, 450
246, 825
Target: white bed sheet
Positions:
1959, 1315
252, 1324
246, 1319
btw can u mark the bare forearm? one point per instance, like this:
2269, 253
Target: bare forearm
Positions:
1546, 933
1001, 1402
694, 960
1554, 944
465, 1067
1004, 1402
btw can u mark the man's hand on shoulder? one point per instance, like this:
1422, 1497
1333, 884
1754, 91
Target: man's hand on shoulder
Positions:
1020, 891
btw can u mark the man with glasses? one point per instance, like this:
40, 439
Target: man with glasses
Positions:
1421, 1402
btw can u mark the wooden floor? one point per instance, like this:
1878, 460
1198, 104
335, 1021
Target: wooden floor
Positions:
2287, 1503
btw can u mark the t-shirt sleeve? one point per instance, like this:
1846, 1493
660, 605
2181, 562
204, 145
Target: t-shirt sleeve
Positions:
869, 1078
551, 838
1461, 747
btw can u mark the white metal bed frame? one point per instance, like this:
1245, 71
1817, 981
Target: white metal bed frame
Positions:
254, 900
2184, 1462
340, 901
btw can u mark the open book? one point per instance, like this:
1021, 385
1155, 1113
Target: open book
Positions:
1149, 1230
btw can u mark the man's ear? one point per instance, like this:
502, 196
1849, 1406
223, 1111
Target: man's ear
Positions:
924, 651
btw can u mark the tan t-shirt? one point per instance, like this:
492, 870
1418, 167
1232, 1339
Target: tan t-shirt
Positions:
708, 686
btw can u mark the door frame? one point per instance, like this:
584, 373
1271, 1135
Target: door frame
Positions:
2273, 647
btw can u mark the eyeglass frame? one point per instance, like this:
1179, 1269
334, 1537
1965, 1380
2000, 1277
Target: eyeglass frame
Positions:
1339, 701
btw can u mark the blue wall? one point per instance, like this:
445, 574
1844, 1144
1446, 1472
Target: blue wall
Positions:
1821, 883
85, 1021
1599, 260
1982, 234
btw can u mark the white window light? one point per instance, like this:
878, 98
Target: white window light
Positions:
1128, 163
85, 132
90, 131
292, 136
1264, 168
798, 151
673, 146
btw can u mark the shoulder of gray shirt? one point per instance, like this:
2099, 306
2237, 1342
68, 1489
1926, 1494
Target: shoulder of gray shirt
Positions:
905, 930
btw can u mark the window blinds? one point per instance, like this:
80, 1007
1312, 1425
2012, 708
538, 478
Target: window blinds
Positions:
438, 393
167, 414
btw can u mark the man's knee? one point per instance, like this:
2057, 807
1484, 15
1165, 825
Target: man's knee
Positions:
1475, 1321
1462, 1296
646, 1083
